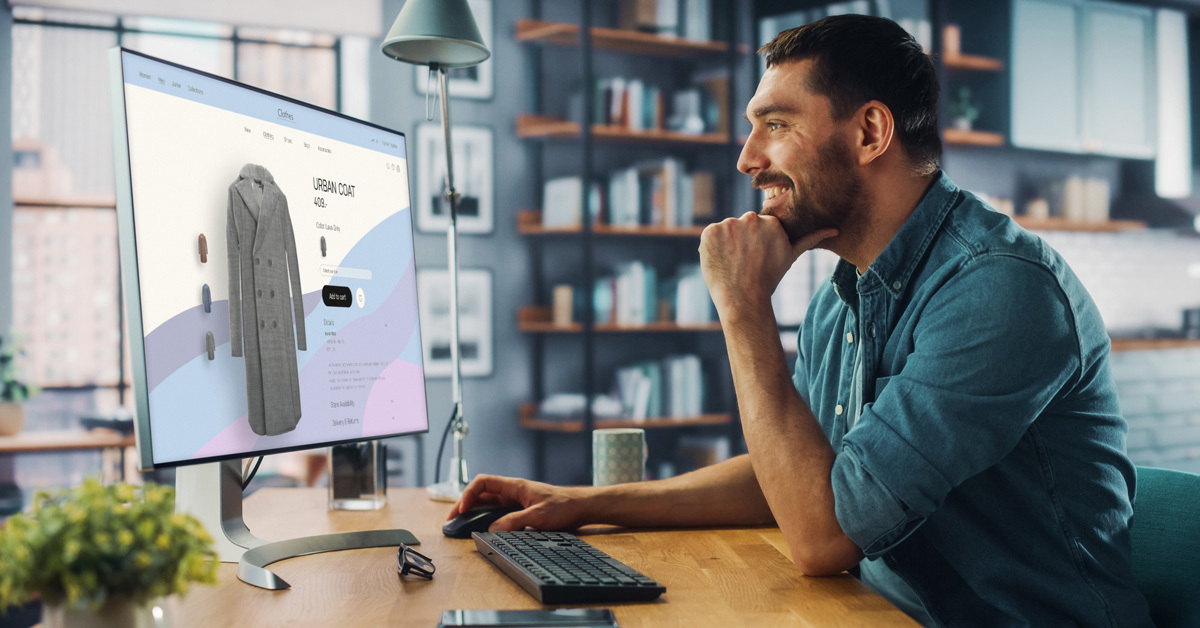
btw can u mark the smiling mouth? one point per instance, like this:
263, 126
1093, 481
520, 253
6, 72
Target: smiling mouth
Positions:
770, 194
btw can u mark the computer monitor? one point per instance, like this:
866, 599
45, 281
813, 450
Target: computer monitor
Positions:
269, 281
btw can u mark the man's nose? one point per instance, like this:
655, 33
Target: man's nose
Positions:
752, 159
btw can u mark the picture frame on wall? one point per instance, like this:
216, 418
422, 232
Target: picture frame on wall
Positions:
473, 168
474, 320
474, 82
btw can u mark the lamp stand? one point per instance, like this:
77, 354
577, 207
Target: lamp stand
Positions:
456, 482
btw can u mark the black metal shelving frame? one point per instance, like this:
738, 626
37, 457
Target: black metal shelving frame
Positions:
587, 143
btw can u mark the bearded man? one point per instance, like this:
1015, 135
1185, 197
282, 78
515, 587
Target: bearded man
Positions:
950, 433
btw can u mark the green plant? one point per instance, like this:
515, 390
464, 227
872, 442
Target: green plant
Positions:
84, 545
965, 106
12, 388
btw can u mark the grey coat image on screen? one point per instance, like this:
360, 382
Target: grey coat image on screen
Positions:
265, 299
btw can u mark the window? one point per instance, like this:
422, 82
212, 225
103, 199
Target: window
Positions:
64, 224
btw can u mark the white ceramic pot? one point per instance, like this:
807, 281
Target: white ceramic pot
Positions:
117, 611
12, 418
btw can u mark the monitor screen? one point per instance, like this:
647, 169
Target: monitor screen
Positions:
267, 258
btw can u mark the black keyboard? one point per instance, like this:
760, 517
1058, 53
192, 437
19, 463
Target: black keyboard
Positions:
559, 568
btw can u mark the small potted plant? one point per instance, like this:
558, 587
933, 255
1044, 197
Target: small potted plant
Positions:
964, 110
13, 391
100, 555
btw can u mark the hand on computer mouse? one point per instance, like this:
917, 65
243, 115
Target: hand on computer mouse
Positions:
544, 507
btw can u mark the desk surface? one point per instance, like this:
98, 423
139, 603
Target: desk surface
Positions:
64, 440
717, 577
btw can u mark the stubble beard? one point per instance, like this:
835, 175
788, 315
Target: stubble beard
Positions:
832, 198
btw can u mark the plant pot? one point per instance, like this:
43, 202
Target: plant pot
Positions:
962, 124
117, 611
12, 418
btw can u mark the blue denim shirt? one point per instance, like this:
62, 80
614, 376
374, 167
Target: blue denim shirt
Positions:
987, 469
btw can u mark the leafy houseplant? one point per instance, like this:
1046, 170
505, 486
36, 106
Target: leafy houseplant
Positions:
964, 110
95, 545
12, 392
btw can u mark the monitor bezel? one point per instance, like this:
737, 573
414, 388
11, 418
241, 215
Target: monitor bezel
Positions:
127, 240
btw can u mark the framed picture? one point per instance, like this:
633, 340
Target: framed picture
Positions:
475, 81
472, 178
474, 321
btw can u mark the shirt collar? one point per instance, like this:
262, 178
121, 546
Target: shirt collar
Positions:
895, 265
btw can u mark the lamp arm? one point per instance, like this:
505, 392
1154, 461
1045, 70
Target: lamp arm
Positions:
458, 471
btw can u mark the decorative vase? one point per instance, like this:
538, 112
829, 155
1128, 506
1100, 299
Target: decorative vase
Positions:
962, 124
117, 611
12, 417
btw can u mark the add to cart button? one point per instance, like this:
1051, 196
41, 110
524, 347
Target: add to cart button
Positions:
345, 272
336, 296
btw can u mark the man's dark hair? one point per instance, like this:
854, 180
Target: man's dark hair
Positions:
859, 58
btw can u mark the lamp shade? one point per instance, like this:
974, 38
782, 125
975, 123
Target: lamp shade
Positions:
436, 32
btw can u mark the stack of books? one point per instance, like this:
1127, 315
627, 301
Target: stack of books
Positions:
670, 388
635, 296
654, 193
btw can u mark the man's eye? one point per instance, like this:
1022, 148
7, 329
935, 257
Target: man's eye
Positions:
774, 126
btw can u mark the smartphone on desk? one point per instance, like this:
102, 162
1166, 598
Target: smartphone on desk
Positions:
557, 618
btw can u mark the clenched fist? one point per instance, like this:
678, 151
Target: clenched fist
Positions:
743, 259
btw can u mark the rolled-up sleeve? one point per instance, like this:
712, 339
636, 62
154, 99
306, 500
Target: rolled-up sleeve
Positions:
991, 349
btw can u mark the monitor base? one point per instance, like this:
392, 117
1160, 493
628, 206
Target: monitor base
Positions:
212, 493
444, 492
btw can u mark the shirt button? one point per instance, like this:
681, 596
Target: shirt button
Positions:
849, 337
258, 260
895, 285
260, 293
838, 410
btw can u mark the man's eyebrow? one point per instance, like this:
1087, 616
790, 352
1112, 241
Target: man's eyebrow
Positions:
767, 110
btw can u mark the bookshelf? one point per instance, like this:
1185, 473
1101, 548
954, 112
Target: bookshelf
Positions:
536, 319
1062, 224
960, 137
537, 127
529, 223
529, 420
617, 40
577, 145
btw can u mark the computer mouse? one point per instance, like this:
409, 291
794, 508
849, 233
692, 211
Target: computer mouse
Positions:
475, 520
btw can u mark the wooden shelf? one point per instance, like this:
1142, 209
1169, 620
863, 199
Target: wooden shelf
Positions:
547, 128
1154, 344
97, 201
972, 62
529, 420
536, 319
972, 138
1062, 224
529, 222
619, 40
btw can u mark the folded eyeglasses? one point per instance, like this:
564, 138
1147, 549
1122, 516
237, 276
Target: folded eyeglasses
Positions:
411, 562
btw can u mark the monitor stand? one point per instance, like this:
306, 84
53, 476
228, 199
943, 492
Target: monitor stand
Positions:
212, 493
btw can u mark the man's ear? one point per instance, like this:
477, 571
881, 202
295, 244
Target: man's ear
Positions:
875, 128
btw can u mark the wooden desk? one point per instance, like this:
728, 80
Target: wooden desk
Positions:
722, 577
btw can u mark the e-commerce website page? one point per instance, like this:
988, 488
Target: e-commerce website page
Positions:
275, 269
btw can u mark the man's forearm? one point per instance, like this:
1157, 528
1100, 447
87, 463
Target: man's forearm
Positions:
790, 452
726, 493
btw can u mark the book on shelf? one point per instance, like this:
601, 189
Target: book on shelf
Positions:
671, 388
690, 19
633, 104
562, 200
635, 296
658, 193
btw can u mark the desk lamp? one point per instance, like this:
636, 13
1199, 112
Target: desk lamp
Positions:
442, 34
